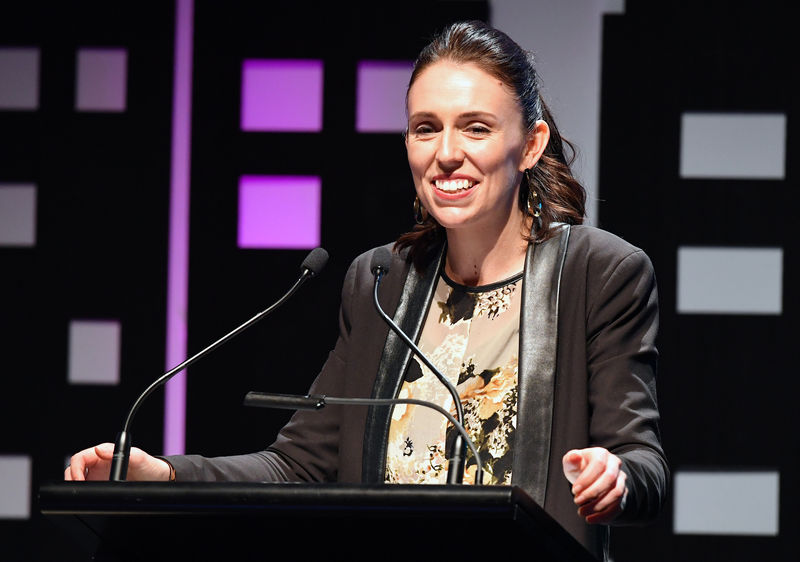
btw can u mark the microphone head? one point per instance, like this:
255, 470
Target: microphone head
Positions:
315, 261
381, 260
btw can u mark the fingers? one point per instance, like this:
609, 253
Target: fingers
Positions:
606, 508
90, 464
614, 496
76, 469
597, 478
572, 463
94, 463
105, 451
598, 484
603, 517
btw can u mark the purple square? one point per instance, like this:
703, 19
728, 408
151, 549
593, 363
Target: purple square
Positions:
381, 96
281, 95
279, 212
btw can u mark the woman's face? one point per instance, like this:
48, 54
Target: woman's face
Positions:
467, 147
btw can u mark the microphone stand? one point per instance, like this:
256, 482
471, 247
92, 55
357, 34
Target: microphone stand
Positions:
317, 402
455, 472
122, 445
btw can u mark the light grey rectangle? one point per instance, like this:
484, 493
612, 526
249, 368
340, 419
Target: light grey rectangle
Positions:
733, 145
19, 78
718, 280
102, 78
15, 487
94, 352
726, 503
17, 214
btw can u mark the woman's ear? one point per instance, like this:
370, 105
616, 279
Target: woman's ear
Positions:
534, 146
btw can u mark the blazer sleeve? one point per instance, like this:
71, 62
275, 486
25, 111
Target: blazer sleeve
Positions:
306, 448
622, 323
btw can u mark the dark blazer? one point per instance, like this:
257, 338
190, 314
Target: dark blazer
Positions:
586, 378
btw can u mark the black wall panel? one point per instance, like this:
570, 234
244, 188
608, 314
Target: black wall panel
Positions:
727, 382
102, 208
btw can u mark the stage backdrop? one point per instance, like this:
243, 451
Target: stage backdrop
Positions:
165, 168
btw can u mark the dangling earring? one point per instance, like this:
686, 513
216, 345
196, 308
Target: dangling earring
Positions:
534, 203
419, 216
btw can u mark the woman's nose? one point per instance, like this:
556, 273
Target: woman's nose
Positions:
450, 151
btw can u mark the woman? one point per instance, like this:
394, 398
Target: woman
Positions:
547, 327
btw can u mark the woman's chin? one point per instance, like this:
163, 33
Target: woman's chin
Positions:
451, 220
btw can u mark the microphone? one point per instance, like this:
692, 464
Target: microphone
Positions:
317, 402
311, 266
379, 266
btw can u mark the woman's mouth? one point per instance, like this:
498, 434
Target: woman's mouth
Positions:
454, 186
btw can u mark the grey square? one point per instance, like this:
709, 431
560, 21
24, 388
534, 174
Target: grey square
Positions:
101, 83
94, 352
726, 503
722, 280
17, 215
19, 78
733, 145
15, 487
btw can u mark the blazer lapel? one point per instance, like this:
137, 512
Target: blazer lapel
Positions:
410, 315
538, 341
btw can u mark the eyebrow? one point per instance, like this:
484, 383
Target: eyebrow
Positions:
465, 115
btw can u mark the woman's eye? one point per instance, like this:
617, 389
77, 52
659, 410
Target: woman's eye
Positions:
423, 130
478, 130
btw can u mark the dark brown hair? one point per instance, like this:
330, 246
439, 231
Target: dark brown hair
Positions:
562, 197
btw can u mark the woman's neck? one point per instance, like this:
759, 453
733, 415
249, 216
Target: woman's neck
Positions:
478, 257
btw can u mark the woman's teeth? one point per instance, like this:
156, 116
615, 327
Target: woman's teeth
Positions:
451, 186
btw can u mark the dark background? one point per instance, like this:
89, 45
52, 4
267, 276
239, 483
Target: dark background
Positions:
727, 384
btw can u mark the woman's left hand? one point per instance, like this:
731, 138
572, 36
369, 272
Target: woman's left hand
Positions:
598, 484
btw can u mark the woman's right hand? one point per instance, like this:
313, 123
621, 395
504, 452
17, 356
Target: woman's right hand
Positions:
94, 463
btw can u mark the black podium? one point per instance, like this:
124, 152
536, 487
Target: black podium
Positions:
122, 521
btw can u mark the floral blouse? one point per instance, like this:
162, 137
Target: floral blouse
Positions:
471, 334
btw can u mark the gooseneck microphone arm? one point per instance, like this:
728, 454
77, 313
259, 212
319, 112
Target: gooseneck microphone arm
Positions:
311, 266
379, 266
317, 402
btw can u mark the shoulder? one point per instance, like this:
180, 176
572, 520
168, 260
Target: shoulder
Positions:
598, 241
594, 247
598, 260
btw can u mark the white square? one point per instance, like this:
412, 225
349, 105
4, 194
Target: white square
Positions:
715, 280
19, 78
726, 503
15, 487
101, 83
94, 347
733, 145
17, 214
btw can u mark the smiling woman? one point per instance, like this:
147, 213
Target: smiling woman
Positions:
468, 150
497, 86
545, 328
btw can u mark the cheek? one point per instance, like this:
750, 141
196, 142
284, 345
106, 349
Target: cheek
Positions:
494, 156
506, 162
417, 161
